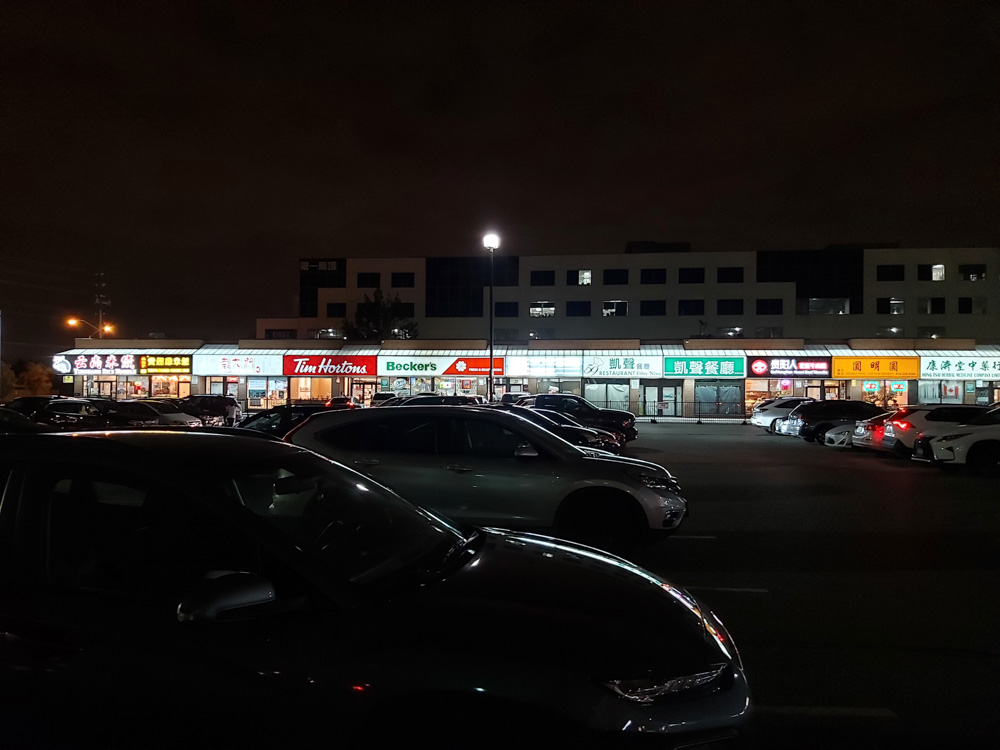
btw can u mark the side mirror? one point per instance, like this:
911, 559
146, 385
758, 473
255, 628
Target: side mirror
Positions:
525, 450
225, 592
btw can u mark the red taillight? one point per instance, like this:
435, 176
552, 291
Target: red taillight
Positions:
901, 424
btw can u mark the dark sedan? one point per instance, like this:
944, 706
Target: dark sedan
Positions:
172, 589
279, 420
585, 412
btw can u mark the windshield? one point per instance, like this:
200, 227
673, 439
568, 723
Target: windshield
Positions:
162, 407
358, 529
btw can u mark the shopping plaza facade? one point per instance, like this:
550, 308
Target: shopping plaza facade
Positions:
658, 329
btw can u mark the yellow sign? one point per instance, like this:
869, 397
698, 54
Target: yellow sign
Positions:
877, 368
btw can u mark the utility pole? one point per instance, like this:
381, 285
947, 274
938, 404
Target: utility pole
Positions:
101, 301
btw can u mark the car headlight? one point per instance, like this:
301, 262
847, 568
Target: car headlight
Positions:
649, 689
956, 436
657, 482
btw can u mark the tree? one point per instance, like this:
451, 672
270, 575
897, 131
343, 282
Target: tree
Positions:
36, 379
378, 319
7, 382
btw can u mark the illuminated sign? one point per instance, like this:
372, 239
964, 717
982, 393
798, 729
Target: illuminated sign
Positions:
704, 367
897, 368
96, 364
960, 368
795, 367
622, 366
324, 365
544, 366
237, 364
433, 366
869, 386
897, 386
164, 364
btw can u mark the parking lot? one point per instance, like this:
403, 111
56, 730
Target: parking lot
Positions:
860, 588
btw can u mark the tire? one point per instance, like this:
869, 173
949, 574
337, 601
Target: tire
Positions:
984, 459
821, 434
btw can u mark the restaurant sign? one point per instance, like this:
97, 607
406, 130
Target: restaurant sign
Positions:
790, 367
882, 368
165, 364
417, 366
960, 368
622, 366
237, 364
323, 365
95, 364
704, 367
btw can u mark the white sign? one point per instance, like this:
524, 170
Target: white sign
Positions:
545, 366
960, 368
622, 365
237, 364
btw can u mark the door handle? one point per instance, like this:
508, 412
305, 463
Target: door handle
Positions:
367, 462
458, 469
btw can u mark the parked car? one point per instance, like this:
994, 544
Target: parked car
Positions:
573, 434
380, 397
28, 405
432, 399
279, 420
975, 443
162, 590
13, 421
841, 436
344, 402
212, 408
811, 420
611, 440
512, 397
765, 412
484, 466
70, 414
867, 434
146, 413
585, 412
909, 421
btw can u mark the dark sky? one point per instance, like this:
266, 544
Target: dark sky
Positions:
192, 152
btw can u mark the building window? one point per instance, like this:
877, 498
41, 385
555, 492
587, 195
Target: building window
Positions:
653, 307
615, 276
770, 306
402, 280
279, 333
536, 334
325, 333
889, 332
930, 332
369, 280
731, 333
972, 305
615, 308
729, 307
829, 306
505, 309
336, 309
578, 309
729, 275
691, 307
692, 276
578, 278
896, 272
543, 278
930, 306
889, 306
928, 272
974, 272
653, 276
542, 309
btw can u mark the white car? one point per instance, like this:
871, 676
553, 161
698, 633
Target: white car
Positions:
975, 444
765, 414
484, 466
910, 421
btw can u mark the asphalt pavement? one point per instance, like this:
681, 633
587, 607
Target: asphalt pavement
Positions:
861, 589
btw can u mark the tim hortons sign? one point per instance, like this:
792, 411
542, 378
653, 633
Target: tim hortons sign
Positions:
312, 365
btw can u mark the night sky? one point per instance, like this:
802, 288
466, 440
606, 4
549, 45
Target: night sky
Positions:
193, 152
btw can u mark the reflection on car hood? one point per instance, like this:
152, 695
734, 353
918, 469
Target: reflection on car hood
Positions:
532, 596
626, 462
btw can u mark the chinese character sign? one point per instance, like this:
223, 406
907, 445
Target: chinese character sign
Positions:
897, 368
704, 367
971, 367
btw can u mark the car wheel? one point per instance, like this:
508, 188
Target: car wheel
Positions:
821, 434
984, 459
771, 428
900, 450
603, 523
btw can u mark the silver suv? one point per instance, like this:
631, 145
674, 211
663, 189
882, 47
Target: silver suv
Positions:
488, 467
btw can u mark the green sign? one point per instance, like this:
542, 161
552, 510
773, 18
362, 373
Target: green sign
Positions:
704, 367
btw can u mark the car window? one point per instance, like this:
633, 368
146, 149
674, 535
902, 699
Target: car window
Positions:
952, 414
990, 417
485, 438
416, 435
265, 423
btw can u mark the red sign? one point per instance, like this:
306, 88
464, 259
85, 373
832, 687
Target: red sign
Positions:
321, 365
474, 366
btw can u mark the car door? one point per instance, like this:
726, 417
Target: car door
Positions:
489, 484
94, 654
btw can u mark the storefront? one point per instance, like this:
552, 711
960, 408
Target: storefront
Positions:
712, 383
882, 380
788, 373
959, 378
126, 374
406, 373
254, 377
313, 376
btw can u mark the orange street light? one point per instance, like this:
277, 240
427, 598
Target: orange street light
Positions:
99, 330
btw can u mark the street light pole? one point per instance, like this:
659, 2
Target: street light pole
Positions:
491, 242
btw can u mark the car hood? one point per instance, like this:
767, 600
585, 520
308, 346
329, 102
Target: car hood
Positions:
618, 414
627, 463
527, 597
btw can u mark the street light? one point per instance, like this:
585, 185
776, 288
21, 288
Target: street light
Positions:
491, 242
99, 330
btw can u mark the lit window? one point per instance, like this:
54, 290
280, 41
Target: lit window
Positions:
584, 278
615, 308
542, 309
937, 272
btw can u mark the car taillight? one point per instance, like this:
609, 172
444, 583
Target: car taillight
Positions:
901, 424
